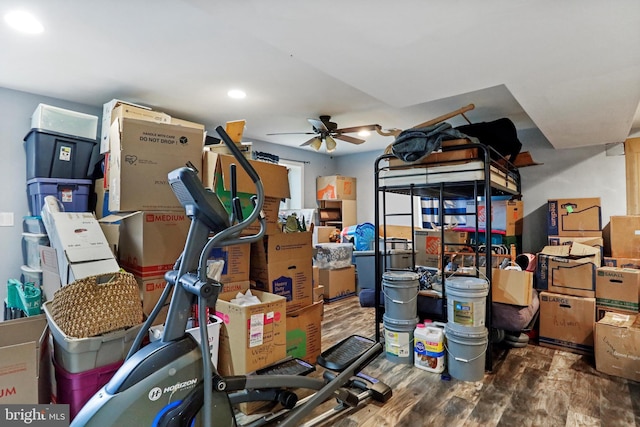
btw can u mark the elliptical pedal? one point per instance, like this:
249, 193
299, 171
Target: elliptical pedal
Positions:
343, 354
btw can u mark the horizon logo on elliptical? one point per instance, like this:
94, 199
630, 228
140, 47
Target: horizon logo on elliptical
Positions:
156, 392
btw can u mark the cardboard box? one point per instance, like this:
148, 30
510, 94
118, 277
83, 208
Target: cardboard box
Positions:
595, 242
622, 262
107, 110
81, 247
512, 287
617, 346
236, 262
25, 361
567, 322
506, 215
601, 311
318, 293
275, 179
618, 288
151, 289
574, 217
437, 157
304, 333
336, 187
623, 234
321, 234
338, 284
568, 269
142, 155
427, 244
252, 336
150, 242
282, 264
316, 277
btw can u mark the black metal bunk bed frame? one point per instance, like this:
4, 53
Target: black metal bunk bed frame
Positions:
475, 189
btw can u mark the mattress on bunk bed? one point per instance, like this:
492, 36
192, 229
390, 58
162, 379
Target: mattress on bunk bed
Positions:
459, 172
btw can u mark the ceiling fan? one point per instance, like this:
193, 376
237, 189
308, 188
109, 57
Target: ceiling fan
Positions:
324, 130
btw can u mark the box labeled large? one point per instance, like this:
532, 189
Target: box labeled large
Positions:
81, 247
617, 345
512, 287
568, 269
281, 264
142, 154
566, 322
251, 336
506, 215
304, 332
150, 242
24, 361
618, 288
216, 174
338, 284
624, 236
574, 217
336, 187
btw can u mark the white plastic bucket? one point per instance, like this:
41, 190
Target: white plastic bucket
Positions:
466, 353
398, 339
466, 303
400, 295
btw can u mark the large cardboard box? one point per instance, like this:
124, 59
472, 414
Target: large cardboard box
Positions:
617, 345
282, 264
338, 284
275, 180
304, 333
236, 262
141, 156
81, 247
596, 242
25, 361
601, 311
574, 217
107, 110
618, 288
506, 215
252, 336
512, 287
151, 289
623, 233
336, 187
427, 244
568, 269
150, 242
566, 322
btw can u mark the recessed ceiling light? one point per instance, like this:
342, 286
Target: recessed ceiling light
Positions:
236, 94
24, 22
364, 133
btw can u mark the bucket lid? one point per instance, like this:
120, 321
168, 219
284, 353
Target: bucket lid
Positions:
477, 334
474, 283
400, 275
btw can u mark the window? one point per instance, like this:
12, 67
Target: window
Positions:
296, 184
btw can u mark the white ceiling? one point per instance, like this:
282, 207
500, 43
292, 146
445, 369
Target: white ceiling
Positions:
569, 68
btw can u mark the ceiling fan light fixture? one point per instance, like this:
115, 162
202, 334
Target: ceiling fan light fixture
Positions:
364, 133
316, 144
330, 144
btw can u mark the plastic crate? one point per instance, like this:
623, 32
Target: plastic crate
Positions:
30, 251
72, 193
75, 389
61, 120
56, 155
33, 224
83, 354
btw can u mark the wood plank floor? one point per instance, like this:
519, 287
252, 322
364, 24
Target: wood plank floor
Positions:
530, 386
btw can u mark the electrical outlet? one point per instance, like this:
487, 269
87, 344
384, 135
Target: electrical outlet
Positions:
6, 219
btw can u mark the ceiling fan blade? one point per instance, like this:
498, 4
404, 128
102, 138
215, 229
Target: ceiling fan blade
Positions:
349, 139
309, 142
292, 133
357, 128
317, 124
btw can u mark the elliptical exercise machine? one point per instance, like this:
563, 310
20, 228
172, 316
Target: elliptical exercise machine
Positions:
172, 382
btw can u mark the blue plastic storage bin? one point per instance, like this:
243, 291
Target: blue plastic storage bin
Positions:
57, 155
72, 193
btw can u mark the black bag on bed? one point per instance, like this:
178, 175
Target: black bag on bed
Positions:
500, 134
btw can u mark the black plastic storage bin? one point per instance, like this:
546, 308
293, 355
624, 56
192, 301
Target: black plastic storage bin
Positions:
57, 155
72, 193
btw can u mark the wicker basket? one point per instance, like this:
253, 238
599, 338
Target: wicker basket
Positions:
97, 304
